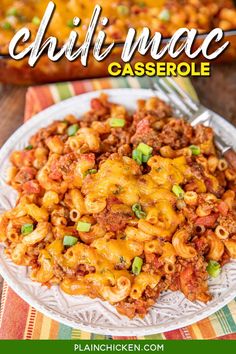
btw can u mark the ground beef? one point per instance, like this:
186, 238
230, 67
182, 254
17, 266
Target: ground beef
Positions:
114, 221
197, 170
193, 280
176, 133
62, 166
132, 309
215, 189
116, 139
39, 138
100, 111
202, 134
152, 262
228, 222
225, 259
201, 244
154, 107
146, 134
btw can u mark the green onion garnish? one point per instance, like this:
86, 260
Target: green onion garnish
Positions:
164, 15
123, 10
137, 209
27, 229
142, 4
29, 147
69, 240
195, 150
72, 130
146, 158
6, 26
178, 191
137, 265
36, 20
12, 12
213, 268
83, 226
70, 23
92, 171
145, 149
142, 153
137, 156
117, 122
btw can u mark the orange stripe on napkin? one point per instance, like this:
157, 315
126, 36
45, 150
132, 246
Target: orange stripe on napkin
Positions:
13, 320
42, 99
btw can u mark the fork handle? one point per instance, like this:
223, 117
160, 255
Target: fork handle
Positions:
230, 156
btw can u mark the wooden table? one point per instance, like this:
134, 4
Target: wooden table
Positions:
217, 93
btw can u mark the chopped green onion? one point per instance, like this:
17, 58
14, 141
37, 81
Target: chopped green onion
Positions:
92, 171
36, 20
142, 153
137, 156
137, 209
145, 149
83, 226
123, 10
164, 15
137, 265
12, 12
6, 26
27, 229
72, 130
70, 23
117, 122
142, 4
213, 268
178, 191
146, 158
69, 240
29, 147
195, 150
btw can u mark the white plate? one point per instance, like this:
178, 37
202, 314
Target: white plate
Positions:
172, 309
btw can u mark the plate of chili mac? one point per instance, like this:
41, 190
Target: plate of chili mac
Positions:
117, 216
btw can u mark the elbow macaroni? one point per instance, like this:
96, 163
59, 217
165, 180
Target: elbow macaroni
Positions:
96, 222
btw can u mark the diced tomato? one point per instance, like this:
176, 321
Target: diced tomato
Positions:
223, 208
32, 187
143, 126
96, 104
208, 221
187, 272
88, 157
25, 174
55, 175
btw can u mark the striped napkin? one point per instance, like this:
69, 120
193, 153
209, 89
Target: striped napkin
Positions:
18, 320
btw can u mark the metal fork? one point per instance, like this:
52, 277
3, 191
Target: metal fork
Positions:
194, 112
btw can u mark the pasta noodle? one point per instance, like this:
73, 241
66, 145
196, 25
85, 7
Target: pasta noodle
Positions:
117, 206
